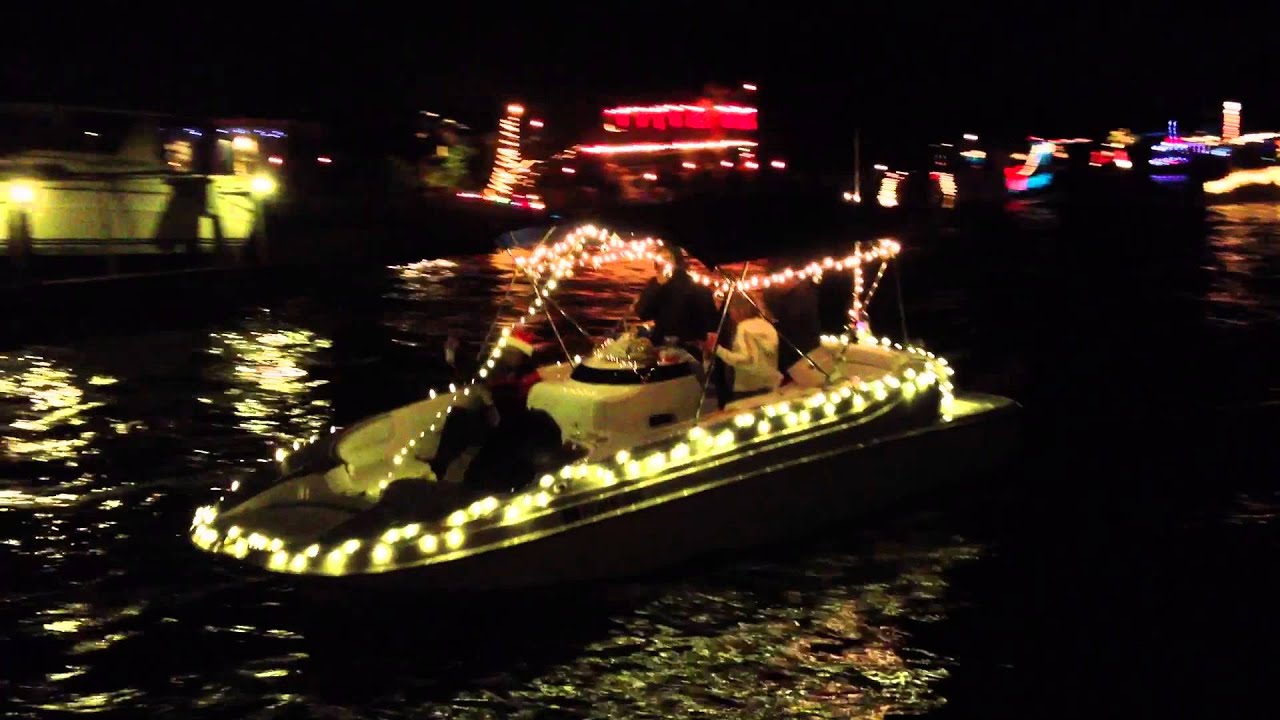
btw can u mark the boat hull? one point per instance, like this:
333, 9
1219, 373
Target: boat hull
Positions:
787, 499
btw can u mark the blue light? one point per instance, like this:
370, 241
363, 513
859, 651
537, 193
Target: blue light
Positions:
1039, 180
1169, 179
1162, 161
1221, 152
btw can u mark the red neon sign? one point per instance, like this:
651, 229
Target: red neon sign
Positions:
699, 117
652, 147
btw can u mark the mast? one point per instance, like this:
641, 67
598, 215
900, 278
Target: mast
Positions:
857, 167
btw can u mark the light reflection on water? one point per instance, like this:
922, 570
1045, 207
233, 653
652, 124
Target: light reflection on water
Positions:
835, 642
827, 635
271, 385
47, 407
1244, 245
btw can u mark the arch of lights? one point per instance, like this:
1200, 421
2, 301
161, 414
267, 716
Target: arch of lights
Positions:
589, 247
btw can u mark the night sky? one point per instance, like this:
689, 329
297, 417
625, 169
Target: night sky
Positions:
905, 78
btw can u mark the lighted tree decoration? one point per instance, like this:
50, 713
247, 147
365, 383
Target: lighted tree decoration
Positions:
1230, 120
506, 163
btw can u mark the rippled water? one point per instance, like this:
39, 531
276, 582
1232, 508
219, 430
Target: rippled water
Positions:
1131, 552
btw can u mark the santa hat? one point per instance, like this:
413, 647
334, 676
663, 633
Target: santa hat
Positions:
522, 339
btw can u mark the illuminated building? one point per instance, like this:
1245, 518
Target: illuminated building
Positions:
654, 152
1230, 120
242, 146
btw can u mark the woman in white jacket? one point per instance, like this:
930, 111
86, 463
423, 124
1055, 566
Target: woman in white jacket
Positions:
753, 357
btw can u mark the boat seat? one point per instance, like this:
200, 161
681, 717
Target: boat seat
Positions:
299, 522
803, 373
465, 427
517, 452
410, 498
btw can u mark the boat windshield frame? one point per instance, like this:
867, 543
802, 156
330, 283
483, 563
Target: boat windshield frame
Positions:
641, 375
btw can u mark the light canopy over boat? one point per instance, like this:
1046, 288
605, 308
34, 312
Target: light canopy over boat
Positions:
320, 506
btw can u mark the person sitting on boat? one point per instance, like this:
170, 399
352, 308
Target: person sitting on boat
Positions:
753, 357
679, 307
523, 443
514, 373
498, 405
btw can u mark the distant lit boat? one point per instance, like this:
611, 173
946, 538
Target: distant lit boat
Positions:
655, 480
1244, 185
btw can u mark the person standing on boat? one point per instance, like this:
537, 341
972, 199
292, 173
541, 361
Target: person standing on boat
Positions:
679, 307
802, 359
795, 314
753, 355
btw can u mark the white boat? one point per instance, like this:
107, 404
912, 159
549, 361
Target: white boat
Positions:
656, 478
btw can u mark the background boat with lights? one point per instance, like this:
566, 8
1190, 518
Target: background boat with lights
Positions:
643, 473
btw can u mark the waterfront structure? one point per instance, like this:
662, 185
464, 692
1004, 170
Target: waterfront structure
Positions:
97, 182
656, 151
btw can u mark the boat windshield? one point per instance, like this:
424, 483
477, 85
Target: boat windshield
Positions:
630, 376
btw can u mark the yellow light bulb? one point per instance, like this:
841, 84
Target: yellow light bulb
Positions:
22, 192
279, 560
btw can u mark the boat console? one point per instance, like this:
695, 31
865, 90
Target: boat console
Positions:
626, 390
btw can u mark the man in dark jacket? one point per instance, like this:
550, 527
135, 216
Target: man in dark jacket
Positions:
795, 312
678, 306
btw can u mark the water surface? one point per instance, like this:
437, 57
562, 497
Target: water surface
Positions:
1124, 566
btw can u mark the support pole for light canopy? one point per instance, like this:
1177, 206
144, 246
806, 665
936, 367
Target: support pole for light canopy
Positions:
724, 313
488, 336
803, 354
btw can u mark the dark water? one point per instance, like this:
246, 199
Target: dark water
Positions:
1125, 567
